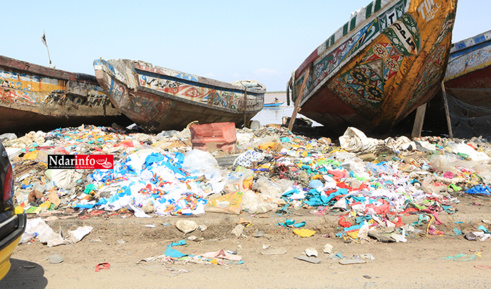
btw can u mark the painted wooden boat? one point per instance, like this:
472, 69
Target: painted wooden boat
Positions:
159, 99
273, 104
34, 97
387, 60
468, 87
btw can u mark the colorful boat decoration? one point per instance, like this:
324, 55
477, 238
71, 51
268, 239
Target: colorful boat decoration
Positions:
273, 104
159, 99
34, 97
387, 60
468, 87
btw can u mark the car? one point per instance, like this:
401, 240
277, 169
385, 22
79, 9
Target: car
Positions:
12, 220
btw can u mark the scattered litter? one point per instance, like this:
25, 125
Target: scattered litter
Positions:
186, 226
259, 234
102, 266
311, 252
309, 259
275, 251
370, 183
237, 231
55, 259
37, 228
170, 252
304, 233
351, 261
461, 257
222, 254
328, 248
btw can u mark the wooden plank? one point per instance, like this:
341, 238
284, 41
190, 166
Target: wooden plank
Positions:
298, 100
447, 112
39, 70
418, 121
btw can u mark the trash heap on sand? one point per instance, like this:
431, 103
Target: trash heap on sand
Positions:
369, 184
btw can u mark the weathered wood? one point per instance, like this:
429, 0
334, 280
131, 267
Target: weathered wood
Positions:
245, 107
158, 98
34, 97
298, 101
468, 83
447, 112
419, 121
371, 75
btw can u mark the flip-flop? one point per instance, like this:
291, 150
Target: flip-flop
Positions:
101, 266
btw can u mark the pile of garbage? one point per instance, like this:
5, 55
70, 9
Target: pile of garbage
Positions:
369, 183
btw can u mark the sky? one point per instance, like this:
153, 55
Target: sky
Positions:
226, 40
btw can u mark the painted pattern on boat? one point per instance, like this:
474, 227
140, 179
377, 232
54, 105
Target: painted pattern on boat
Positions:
383, 69
160, 98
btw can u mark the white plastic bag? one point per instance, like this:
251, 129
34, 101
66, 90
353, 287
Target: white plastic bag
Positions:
354, 140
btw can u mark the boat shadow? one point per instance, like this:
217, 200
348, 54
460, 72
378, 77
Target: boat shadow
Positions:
24, 274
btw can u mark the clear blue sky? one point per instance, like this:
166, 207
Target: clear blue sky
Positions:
226, 40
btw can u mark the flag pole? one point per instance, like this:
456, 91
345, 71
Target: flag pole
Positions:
43, 39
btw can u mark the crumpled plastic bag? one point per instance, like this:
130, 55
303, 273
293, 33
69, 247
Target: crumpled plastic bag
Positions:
37, 227
256, 204
354, 140
198, 162
46, 235
472, 153
77, 234
248, 158
401, 143
65, 179
267, 188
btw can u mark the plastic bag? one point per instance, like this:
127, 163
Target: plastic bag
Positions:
229, 203
255, 203
354, 140
267, 188
199, 162
65, 179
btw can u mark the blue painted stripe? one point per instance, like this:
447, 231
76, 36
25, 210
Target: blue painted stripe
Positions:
479, 39
469, 49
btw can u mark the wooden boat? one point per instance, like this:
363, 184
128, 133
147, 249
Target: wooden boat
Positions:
273, 104
468, 86
468, 90
159, 99
387, 60
34, 97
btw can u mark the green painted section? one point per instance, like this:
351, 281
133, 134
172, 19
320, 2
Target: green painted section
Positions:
353, 23
369, 11
378, 5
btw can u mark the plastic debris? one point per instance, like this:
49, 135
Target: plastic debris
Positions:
304, 233
309, 259
371, 184
102, 266
311, 252
186, 226
55, 259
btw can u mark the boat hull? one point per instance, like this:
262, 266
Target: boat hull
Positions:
34, 97
378, 69
468, 76
163, 99
273, 104
468, 87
